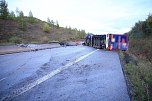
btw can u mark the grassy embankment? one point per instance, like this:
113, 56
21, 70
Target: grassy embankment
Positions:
138, 61
32, 30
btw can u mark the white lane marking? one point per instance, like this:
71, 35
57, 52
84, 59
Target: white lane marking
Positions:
24, 89
2, 79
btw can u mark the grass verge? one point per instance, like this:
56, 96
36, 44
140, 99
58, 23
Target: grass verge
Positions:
138, 73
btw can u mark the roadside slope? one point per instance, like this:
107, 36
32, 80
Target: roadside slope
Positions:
138, 61
22, 30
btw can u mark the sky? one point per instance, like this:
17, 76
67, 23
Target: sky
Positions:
93, 16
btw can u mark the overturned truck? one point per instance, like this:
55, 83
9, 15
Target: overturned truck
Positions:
109, 41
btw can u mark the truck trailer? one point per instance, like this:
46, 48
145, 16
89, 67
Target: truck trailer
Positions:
117, 41
108, 41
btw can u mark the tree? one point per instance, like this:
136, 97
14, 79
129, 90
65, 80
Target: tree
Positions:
57, 24
3, 10
21, 14
142, 28
31, 14
149, 23
49, 22
31, 19
52, 22
70, 28
82, 34
12, 14
17, 11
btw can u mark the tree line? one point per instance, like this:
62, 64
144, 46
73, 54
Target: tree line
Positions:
142, 29
141, 38
5, 14
19, 16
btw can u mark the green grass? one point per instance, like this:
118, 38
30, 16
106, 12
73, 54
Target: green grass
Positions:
15, 40
139, 77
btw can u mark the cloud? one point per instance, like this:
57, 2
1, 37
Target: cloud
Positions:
96, 16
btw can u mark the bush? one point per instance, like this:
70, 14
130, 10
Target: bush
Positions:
46, 28
23, 25
141, 48
32, 20
15, 40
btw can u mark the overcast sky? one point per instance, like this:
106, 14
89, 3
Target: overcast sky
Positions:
94, 16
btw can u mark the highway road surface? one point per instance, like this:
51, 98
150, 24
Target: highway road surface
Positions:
73, 73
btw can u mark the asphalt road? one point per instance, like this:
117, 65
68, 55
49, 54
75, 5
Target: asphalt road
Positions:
74, 73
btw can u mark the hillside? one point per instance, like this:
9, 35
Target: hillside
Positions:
32, 30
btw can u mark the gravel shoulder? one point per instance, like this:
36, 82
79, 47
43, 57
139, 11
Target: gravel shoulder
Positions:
26, 48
